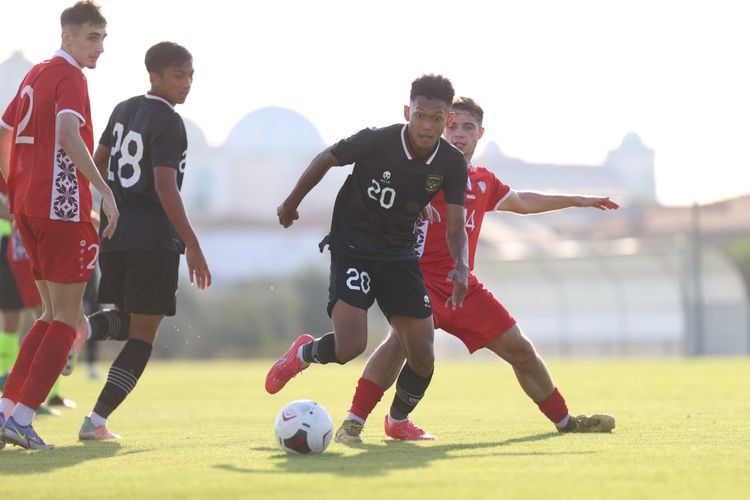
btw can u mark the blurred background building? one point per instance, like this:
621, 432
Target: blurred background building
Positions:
643, 280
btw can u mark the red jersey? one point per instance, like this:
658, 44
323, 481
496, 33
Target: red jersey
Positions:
484, 193
43, 182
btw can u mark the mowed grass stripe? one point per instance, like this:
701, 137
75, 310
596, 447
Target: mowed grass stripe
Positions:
200, 429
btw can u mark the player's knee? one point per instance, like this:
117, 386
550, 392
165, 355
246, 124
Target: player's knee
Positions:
349, 351
522, 352
423, 364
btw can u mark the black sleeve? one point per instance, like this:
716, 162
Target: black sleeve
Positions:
456, 176
356, 147
168, 141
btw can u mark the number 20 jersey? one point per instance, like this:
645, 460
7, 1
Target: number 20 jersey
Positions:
378, 205
143, 132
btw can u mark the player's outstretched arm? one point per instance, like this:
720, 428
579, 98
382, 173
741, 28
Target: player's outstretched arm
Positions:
455, 234
6, 135
527, 202
70, 140
165, 183
312, 175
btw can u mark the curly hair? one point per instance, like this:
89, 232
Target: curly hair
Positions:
433, 87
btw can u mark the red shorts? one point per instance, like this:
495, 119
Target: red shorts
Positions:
61, 252
20, 267
481, 318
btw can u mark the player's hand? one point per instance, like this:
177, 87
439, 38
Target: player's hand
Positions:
459, 275
430, 214
287, 215
598, 202
197, 267
109, 207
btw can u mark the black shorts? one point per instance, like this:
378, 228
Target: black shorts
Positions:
139, 281
397, 286
10, 297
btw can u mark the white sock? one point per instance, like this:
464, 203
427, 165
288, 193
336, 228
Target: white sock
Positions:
562, 423
352, 416
97, 419
23, 415
392, 420
6, 407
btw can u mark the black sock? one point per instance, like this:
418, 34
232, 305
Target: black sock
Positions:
322, 350
123, 375
109, 324
410, 389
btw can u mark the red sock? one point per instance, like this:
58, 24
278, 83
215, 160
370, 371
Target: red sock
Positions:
48, 363
554, 407
18, 374
366, 397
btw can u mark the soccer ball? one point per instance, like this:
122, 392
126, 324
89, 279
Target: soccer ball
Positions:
304, 427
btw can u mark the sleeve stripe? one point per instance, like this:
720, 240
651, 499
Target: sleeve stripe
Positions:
80, 117
510, 192
5, 125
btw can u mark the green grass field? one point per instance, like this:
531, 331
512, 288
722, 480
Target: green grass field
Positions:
205, 429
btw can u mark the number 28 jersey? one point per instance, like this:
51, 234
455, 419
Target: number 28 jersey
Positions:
143, 132
379, 203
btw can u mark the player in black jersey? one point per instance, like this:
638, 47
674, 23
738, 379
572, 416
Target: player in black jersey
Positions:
397, 170
142, 153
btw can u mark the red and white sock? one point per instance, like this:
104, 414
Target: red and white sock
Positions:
366, 397
555, 409
48, 362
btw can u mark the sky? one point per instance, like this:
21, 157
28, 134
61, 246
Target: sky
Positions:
560, 82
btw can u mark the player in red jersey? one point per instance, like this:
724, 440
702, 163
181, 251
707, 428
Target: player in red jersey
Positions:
482, 321
46, 141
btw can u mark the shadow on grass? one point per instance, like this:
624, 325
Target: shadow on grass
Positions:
17, 461
379, 459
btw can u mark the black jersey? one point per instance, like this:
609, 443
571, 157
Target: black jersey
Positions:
378, 205
143, 132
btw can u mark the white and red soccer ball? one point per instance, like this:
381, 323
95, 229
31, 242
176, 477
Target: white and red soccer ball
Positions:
303, 427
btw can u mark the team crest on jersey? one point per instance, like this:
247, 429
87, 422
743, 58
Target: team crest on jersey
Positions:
386, 176
433, 183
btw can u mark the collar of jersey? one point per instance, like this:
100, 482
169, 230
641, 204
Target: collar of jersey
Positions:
152, 96
71, 60
407, 150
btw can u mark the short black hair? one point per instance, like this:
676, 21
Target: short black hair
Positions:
470, 106
165, 54
433, 87
83, 12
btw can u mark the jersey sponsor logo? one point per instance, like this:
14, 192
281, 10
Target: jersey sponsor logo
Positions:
433, 183
65, 202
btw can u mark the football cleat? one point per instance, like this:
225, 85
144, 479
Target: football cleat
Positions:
601, 422
24, 436
58, 400
405, 430
349, 432
287, 366
90, 432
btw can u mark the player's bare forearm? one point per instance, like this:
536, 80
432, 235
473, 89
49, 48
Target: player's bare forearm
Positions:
101, 159
528, 202
312, 175
70, 140
5, 144
165, 183
455, 235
